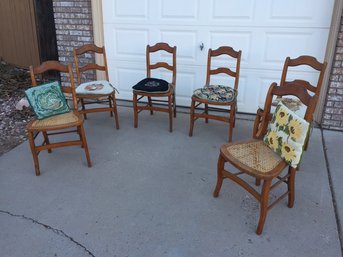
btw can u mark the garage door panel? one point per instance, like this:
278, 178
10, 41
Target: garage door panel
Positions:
185, 82
281, 43
128, 77
125, 10
264, 83
307, 13
125, 42
232, 10
242, 88
278, 45
129, 42
185, 40
238, 40
179, 9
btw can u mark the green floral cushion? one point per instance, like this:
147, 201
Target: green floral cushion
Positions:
287, 135
216, 93
47, 100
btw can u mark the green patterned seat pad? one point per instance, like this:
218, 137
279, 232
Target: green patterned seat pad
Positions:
216, 93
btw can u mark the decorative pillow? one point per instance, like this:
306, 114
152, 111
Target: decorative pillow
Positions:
216, 93
152, 85
47, 100
287, 135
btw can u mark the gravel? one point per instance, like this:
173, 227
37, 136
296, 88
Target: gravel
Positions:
13, 83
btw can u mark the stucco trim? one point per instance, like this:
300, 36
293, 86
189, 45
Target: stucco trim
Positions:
98, 31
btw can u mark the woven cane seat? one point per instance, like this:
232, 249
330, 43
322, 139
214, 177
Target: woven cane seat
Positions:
255, 155
65, 119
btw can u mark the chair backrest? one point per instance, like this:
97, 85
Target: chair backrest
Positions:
91, 49
293, 89
161, 47
224, 50
38, 72
309, 61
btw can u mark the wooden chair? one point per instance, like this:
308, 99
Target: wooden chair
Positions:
303, 60
151, 96
254, 158
98, 91
211, 95
59, 124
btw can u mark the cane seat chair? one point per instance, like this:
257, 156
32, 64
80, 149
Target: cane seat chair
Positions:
98, 91
297, 63
217, 95
255, 159
146, 86
70, 122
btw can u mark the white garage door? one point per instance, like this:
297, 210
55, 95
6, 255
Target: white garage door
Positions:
267, 31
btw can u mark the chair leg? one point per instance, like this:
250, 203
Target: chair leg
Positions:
231, 121
191, 123
135, 111
115, 110
170, 107
80, 135
230, 132
85, 146
83, 108
206, 112
291, 186
46, 140
150, 104
234, 116
263, 205
258, 182
34, 152
174, 105
220, 177
110, 105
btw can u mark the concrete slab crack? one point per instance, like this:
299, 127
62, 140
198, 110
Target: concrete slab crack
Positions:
333, 195
54, 230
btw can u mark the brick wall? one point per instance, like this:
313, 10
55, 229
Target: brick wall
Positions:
333, 111
73, 21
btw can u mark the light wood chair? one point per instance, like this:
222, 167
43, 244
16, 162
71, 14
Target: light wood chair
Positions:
299, 62
98, 91
217, 95
254, 158
154, 97
59, 124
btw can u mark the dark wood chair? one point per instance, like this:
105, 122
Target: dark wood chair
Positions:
217, 95
98, 91
303, 60
70, 122
153, 97
254, 158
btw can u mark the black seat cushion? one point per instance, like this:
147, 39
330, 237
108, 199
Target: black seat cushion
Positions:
152, 85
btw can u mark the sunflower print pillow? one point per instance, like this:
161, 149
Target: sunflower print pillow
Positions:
287, 135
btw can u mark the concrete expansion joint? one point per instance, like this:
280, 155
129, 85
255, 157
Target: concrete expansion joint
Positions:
333, 195
54, 230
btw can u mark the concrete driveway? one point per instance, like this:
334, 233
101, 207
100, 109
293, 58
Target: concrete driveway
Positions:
149, 193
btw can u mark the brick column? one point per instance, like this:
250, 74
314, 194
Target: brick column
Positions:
333, 110
73, 21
